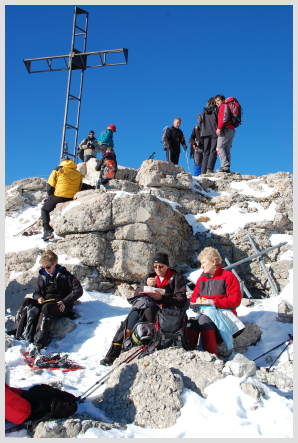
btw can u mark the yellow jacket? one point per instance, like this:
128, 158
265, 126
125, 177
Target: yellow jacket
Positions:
66, 180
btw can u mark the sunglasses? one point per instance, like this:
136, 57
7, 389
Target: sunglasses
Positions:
158, 266
47, 267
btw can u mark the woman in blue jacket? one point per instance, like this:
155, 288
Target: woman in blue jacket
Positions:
106, 138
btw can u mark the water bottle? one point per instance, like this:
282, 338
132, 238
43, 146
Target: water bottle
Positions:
7, 374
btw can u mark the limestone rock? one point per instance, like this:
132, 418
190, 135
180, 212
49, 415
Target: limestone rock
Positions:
253, 390
61, 326
285, 314
161, 173
241, 366
125, 290
280, 380
250, 336
9, 342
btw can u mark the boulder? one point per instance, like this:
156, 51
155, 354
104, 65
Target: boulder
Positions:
253, 390
161, 173
285, 313
241, 366
275, 378
125, 290
250, 336
61, 326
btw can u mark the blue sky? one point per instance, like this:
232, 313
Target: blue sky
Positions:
179, 57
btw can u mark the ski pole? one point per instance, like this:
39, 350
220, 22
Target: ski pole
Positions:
291, 337
102, 380
187, 160
290, 342
28, 227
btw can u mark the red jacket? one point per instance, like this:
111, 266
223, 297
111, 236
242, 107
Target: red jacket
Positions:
223, 287
224, 117
17, 409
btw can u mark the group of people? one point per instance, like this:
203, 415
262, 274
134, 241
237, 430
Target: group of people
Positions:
213, 135
56, 291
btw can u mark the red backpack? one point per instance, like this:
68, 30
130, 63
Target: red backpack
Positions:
235, 111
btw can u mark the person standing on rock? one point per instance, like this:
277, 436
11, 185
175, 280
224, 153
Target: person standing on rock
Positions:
173, 136
55, 292
107, 167
64, 182
106, 138
215, 287
208, 126
88, 148
226, 133
197, 152
145, 307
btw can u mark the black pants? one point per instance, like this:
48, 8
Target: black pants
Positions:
173, 156
209, 156
198, 157
49, 205
43, 321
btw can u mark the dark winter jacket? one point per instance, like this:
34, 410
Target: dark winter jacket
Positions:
109, 162
208, 121
173, 137
60, 286
196, 140
223, 287
17, 409
175, 294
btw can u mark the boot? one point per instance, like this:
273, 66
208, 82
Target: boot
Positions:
223, 169
209, 171
111, 355
47, 234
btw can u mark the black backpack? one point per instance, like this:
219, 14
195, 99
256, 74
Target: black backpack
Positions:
171, 329
26, 319
142, 333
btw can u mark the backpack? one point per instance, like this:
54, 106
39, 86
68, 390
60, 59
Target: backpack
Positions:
171, 329
163, 136
26, 320
80, 154
109, 168
142, 333
235, 111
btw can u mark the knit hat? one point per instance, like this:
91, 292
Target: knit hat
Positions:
162, 258
113, 127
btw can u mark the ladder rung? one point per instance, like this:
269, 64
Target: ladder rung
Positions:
70, 126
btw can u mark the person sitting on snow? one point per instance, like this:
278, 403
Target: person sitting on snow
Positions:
107, 167
64, 182
145, 307
55, 292
215, 287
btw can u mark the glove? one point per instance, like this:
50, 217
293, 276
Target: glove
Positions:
192, 154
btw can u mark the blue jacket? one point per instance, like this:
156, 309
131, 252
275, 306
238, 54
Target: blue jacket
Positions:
106, 137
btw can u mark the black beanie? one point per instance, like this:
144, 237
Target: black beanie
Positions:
162, 258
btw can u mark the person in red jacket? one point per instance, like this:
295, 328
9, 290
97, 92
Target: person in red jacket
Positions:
216, 287
226, 133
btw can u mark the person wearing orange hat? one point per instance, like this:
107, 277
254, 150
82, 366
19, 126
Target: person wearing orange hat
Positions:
106, 138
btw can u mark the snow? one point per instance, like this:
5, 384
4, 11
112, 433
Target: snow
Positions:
120, 193
226, 405
246, 190
72, 204
227, 221
173, 204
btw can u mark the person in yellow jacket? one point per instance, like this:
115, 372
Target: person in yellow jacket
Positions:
64, 182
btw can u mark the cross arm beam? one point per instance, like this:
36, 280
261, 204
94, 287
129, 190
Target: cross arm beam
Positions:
71, 55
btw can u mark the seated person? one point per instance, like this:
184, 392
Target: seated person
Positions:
60, 287
216, 287
145, 307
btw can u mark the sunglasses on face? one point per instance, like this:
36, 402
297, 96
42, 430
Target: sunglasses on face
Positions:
47, 267
158, 266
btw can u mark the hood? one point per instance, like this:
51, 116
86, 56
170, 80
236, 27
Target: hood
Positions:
69, 164
59, 269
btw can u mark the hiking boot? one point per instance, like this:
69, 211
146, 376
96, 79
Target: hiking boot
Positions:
102, 188
48, 233
111, 355
223, 169
107, 361
209, 171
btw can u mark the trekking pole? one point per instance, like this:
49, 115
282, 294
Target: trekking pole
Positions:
28, 227
291, 338
102, 380
290, 342
149, 158
187, 160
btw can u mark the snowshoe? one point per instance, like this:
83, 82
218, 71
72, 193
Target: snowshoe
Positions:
51, 361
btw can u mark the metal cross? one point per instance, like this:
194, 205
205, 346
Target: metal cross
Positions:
75, 60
